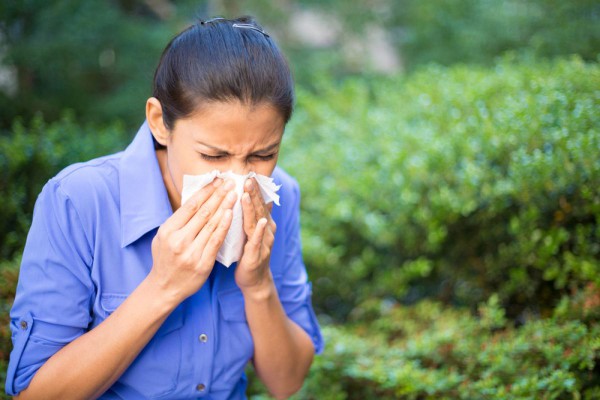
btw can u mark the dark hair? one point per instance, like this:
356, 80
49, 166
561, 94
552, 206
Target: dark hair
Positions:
222, 60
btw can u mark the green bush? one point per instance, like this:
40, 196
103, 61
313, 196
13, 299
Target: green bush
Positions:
32, 154
97, 57
444, 32
478, 31
94, 57
454, 183
429, 351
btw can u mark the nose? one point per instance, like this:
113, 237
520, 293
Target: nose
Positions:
239, 167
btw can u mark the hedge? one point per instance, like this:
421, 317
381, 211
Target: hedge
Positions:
452, 183
33, 152
431, 351
440, 353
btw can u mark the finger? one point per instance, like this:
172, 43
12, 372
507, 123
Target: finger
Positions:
248, 215
213, 243
211, 225
222, 197
269, 237
184, 213
207, 230
259, 202
257, 199
261, 209
253, 247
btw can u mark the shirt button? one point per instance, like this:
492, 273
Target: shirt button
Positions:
200, 387
203, 338
23, 325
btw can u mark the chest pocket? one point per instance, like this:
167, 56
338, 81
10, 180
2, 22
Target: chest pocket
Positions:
155, 371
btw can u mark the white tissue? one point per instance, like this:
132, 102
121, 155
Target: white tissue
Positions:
233, 246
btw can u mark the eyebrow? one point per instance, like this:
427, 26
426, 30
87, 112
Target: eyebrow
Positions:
265, 150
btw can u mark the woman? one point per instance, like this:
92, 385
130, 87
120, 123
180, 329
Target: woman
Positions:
119, 293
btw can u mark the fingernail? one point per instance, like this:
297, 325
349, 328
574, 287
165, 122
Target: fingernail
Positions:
249, 184
229, 185
218, 182
246, 198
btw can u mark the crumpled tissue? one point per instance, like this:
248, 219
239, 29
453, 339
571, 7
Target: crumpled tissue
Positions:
233, 245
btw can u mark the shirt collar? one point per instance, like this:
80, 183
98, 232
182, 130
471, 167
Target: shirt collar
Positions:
144, 200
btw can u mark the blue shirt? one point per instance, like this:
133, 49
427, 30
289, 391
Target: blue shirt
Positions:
89, 247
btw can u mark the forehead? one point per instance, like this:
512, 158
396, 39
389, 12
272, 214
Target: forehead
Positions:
233, 126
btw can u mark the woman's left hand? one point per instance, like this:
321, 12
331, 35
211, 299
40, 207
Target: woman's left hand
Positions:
253, 271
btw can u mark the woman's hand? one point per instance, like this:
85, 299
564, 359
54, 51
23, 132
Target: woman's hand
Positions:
253, 272
186, 245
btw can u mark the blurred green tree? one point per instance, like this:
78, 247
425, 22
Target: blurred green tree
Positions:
478, 31
94, 57
97, 57
460, 31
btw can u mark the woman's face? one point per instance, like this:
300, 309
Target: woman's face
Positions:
228, 136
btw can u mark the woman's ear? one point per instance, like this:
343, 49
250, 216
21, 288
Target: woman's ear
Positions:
154, 116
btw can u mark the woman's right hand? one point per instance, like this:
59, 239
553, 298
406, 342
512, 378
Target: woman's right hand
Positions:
185, 248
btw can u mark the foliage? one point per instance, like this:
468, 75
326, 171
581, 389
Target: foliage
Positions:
457, 358
94, 57
428, 351
97, 57
32, 154
478, 31
435, 31
454, 183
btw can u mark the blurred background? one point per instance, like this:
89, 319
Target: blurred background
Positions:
448, 153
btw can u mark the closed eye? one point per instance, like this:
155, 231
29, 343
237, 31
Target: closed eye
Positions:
212, 158
264, 158
220, 157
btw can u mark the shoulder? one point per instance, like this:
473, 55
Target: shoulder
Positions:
85, 185
88, 177
71, 203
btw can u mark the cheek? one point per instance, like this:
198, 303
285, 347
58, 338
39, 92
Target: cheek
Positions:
265, 168
199, 167
184, 160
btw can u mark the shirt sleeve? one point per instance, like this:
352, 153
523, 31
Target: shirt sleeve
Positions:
54, 294
295, 292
